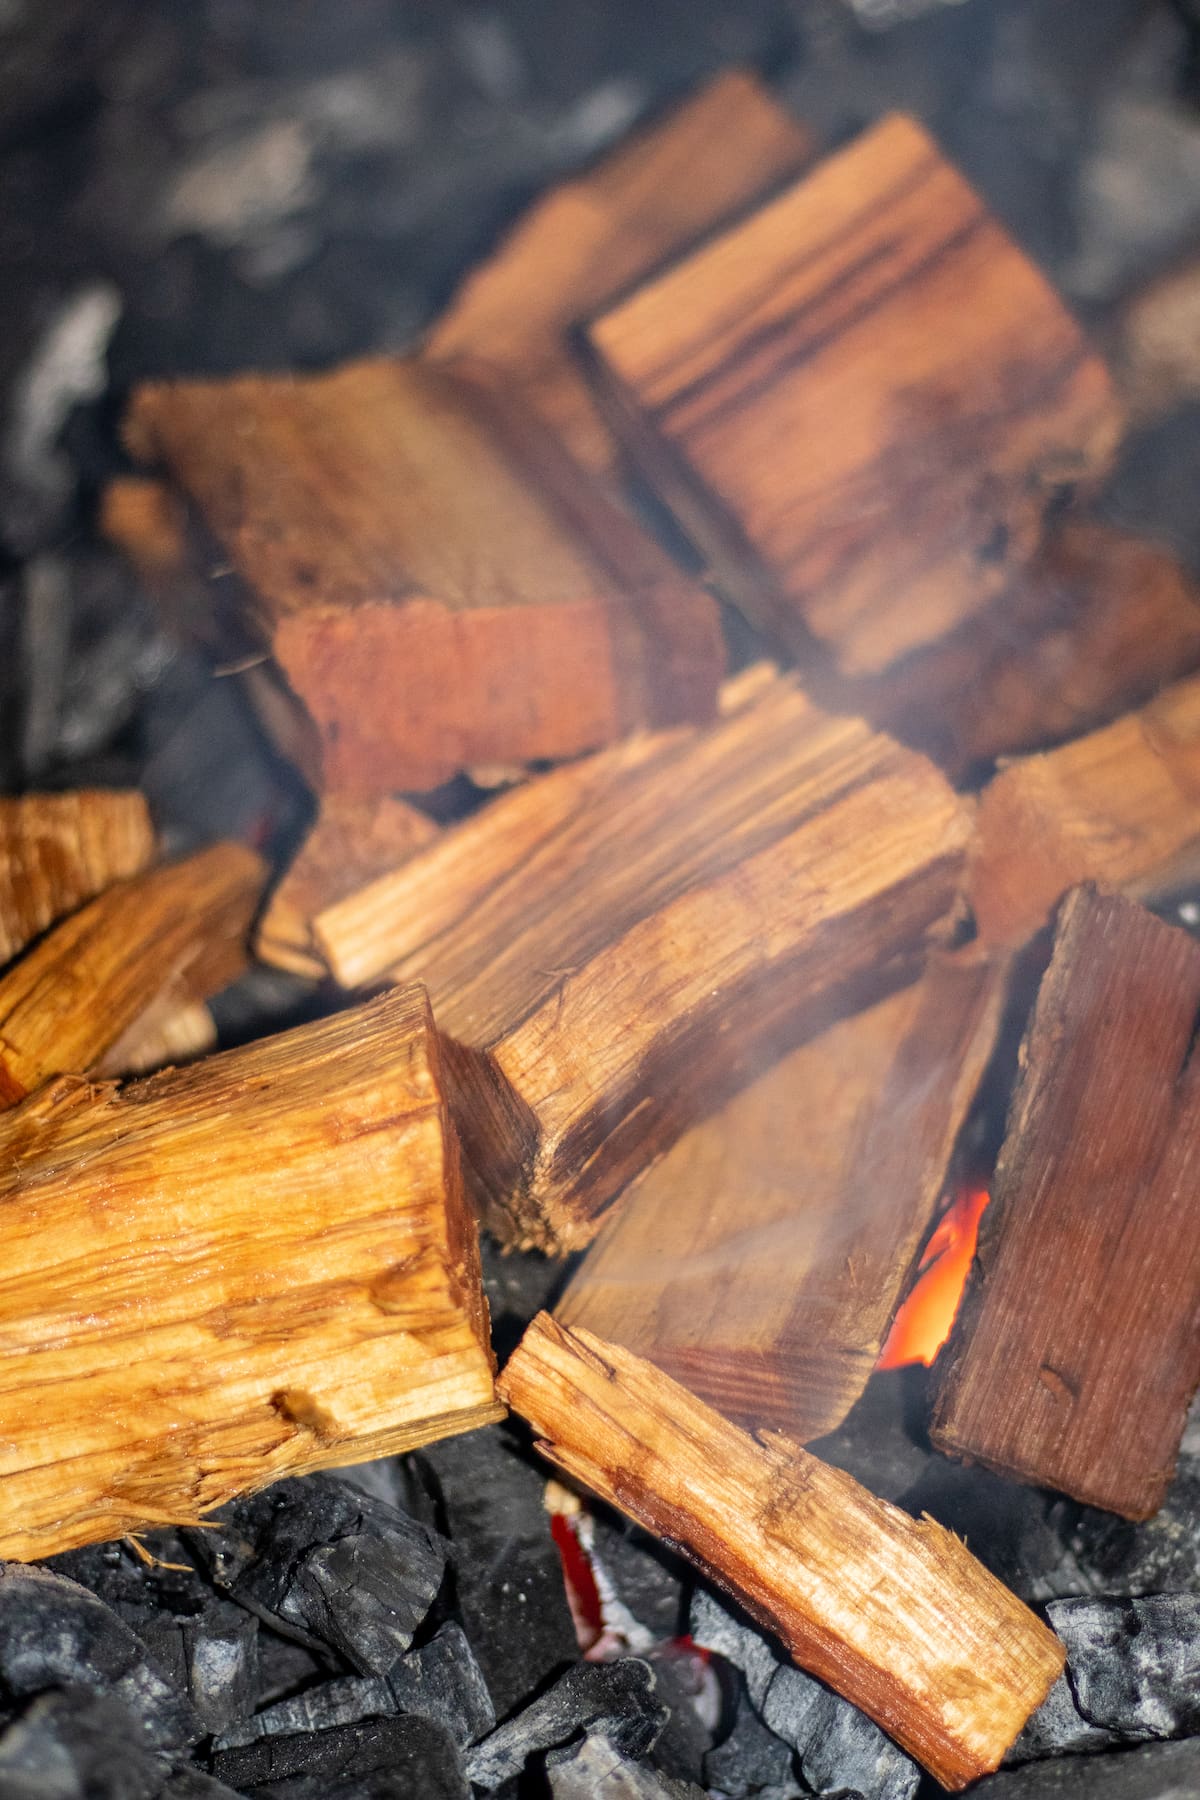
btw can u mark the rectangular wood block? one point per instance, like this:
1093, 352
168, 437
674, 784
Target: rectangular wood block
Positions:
58, 850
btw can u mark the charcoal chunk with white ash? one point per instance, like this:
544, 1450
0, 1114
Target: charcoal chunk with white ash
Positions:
750, 1760
329, 1564
616, 1700
56, 1634
81, 1746
595, 1769
440, 1681
714, 1628
1156, 1556
1153, 1772
644, 1577
315, 1765
507, 1572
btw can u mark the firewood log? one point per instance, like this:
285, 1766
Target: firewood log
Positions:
352, 843
893, 1613
620, 944
1117, 807
226, 1274
169, 1032
1077, 1348
392, 535
1156, 349
861, 403
58, 850
179, 931
590, 238
761, 1261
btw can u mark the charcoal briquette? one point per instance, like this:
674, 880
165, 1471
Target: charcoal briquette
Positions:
1153, 1772
316, 1762
595, 1769
616, 1700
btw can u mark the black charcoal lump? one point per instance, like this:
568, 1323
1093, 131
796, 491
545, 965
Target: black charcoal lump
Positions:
415, 1756
79, 1746
750, 1760
56, 1634
1154, 1772
595, 1769
615, 1700
328, 1563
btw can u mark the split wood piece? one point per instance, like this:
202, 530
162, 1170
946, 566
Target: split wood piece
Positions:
1120, 807
761, 1261
582, 243
1156, 355
226, 1274
403, 532
1097, 623
864, 459
619, 945
58, 850
894, 1613
1077, 1348
178, 932
352, 843
169, 1032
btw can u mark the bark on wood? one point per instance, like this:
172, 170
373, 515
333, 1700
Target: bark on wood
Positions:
587, 239
620, 944
178, 932
865, 459
58, 850
226, 1274
352, 843
1078, 1345
401, 533
892, 1612
761, 1262
1120, 807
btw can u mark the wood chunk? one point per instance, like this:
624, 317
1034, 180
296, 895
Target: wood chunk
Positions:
583, 242
1156, 355
255, 1267
1077, 1348
401, 533
1099, 621
761, 1261
620, 944
892, 1612
177, 933
864, 458
1120, 807
352, 843
169, 1032
58, 850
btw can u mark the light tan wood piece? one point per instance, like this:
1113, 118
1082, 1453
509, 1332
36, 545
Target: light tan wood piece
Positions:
353, 842
170, 1032
230, 1273
58, 850
1120, 807
620, 944
583, 242
436, 583
1077, 1349
178, 932
761, 1261
860, 402
1156, 352
893, 1612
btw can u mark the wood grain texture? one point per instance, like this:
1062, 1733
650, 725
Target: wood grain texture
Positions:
622, 943
402, 535
583, 242
177, 933
892, 1612
58, 850
169, 1032
352, 843
865, 456
226, 1274
761, 1261
1120, 807
1077, 1350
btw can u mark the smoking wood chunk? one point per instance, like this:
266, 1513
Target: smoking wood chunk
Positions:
1096, 624
588, 239
177, 933
864, 459
352, 843
761, 1261
1118, 807
58, 850
254, 1267
401, 533
893, 1613
1156, 357
620, 944
1077, 1348
170, 1031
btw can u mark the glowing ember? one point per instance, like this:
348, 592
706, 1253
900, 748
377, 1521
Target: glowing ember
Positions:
923, 1323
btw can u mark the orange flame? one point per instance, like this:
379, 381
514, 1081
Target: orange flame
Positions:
923, 1323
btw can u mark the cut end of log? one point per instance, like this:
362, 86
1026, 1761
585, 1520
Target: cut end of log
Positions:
59, 850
